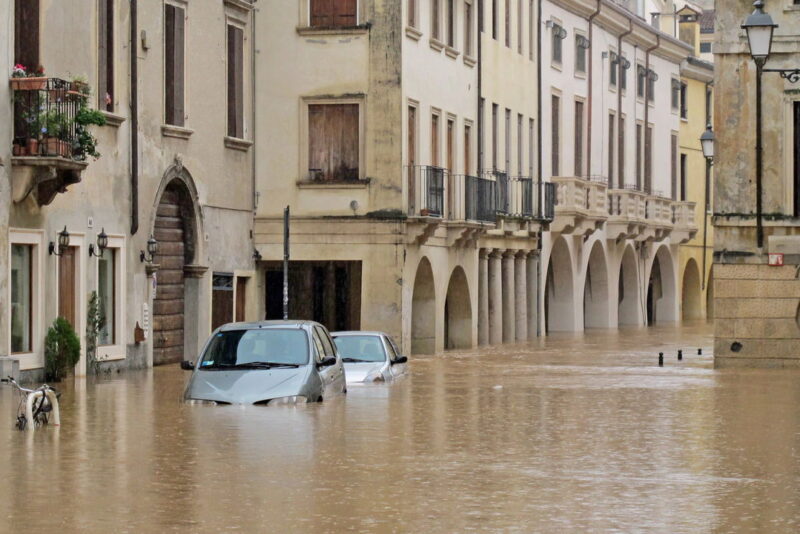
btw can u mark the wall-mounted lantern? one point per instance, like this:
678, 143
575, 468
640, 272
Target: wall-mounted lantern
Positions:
102, 244
63, 243
152, 250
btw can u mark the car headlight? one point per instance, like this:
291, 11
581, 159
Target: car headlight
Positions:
201, 402
375, 376
294, 399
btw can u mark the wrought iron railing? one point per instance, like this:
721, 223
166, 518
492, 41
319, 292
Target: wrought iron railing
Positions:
426, 190
501, 196
44, 117
479, 199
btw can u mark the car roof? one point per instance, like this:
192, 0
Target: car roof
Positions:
269, 324
359, 333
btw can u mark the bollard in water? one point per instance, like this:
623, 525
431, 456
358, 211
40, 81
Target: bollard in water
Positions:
699, 352
661, 359
680, 354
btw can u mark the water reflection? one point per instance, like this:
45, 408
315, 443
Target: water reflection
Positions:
575, 433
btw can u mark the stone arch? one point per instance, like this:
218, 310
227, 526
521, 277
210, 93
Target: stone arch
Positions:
423, 310
661, 292
691, 293
178, 181
559, 299
629, 304
595, 289
458, 312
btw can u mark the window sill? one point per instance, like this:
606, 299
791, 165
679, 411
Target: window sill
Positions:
112, 119
580, 75
451, 52
239, 4
179, 132
436, 44
237, 144
413, 33
555, 65
361, 184
361, 29
470, 61
684, 119
109, 353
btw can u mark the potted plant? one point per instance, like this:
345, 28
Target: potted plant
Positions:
62, 350
24, 79
79, 86
86, 143
56, 127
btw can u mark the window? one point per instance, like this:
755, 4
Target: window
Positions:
235, 82
107, 296
451, 141
435, 140
648, 159
468, 28
467, 149
333, 142
412, 12
531, 147
639, 157
674, 166
531, 26
327, 343
482, 138
174, 20
556, 39
495, 133
555, 135
613, 67
581, 44
684, 101
520, 139
610, 149
494, 19
578, 138
21, 298
640, 81
705, 48
519, 25
333, 13
508, 22
451, 23
683, 177
651, 85
26, 33
621, 159
623, 73
412, 136
105, 55
675, 94
507, 167
435, 19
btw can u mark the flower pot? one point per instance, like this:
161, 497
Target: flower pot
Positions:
28, 84
53, 146
32, 146
17, 150
424, 212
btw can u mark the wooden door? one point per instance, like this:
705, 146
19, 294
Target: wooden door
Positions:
66, 286
168, 305
241, 302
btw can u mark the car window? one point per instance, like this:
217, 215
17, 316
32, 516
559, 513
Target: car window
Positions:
366, 348
320, 349
390, 349
393, 345
327, 344
241, 347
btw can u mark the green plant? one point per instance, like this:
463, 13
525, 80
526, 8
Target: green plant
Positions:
55, 123
95, 321
62, 350
86, 143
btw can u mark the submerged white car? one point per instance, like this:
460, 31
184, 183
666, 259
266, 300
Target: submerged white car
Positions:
369, 356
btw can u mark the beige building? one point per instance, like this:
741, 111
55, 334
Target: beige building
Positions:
756, 304
175, 163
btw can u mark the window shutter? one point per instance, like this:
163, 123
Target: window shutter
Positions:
345, 12
235, 82
169, 64
321, 13
179, 70
333, 143
555, 135
102, 51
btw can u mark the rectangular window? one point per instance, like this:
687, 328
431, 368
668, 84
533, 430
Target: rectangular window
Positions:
435, 140
651, 86
451, 141
675, 94
531, 147
611, 153
174, 20
333, 13
684, 102
621, 159
495, 134
105, 55
648, 159
520, 139
531, 26
412, 13
412, 156
436, 11
106, 296
333, 142
508, 22
555, 135
640, 81
451, 23
482, 137
494, 19
26, 33
556, 40
235, 82
580, 54
21, 298
612, 70
467, 149
468, 28
578, 138
639, 157
705, 48
623, 74
683, 177
507, 167
674, 166
519, 25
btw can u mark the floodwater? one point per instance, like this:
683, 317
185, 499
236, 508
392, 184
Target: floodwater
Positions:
582, 433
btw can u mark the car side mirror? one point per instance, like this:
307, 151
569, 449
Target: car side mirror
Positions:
400, 359
327, 362
187, 365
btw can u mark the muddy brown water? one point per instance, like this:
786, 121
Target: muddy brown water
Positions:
577, 433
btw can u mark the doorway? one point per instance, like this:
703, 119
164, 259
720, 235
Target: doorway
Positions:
67, 294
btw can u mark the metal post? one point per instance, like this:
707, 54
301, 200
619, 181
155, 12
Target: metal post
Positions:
286, 263
759, 154
705, 223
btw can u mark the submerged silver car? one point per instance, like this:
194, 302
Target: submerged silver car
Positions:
267, 362
369, 356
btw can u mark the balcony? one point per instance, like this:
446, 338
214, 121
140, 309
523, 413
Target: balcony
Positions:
581, 204
627, 213
658, 215
49, 145
684, 224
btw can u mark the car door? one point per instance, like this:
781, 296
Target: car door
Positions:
332, 375
391, 350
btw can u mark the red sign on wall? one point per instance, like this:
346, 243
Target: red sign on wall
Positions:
776, 259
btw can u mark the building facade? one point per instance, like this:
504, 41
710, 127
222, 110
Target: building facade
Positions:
756, 304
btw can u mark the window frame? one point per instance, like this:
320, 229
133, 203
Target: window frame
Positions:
581, 53
233, 22
33, 358
116, 350
182, 5
309, 9
303, 163
108, 62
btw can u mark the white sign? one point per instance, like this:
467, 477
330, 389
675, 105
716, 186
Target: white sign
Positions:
145, 319
776, 259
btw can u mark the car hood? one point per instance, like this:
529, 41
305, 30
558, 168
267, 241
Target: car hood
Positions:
250, 385
358, 371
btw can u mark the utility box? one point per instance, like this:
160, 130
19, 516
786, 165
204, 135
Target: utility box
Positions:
9, 367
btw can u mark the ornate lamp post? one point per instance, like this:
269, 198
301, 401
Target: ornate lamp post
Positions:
707, 144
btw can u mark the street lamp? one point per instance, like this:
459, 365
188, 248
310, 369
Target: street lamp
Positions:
707, 143
759, 27
152, 250
102, 244
63, 243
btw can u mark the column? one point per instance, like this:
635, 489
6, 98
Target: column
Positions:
483, 297
534, 298
509, 322
495, 298
521, 296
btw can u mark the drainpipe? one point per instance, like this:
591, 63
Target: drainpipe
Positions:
540, 286
253, 108
481, 111
134, 48
647, 102
619, 103
589, 93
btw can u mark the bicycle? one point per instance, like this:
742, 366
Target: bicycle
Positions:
36, 405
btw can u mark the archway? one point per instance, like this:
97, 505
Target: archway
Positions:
423, 310
458, 312
595, 290
691, 294
174, 229
628, 297
559, 298
661, 295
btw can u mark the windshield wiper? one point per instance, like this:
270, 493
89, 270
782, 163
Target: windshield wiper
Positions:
267, 365
355, 360
217, 366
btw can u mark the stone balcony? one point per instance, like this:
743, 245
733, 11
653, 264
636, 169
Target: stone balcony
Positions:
658, 218
581, 205
684, 224
627, 214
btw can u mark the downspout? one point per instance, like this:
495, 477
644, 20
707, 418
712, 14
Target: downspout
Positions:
647, 104
619, 105
134, 48
253, 107
481, 111
589, 93
540, 287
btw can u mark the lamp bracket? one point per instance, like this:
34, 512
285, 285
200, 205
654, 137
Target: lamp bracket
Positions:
790, 75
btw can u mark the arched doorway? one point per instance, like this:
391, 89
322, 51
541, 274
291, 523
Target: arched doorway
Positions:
458, 312
559, 298
423, 310
628, 297
174, 230
691, 294
595, 290
661, 295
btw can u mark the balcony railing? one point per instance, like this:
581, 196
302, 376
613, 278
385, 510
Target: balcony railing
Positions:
44, 117
658, 210
426, 190
479, 198
683, 214
582, 195
502, 195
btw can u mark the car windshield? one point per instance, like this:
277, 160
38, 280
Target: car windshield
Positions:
256, 348
360, 348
